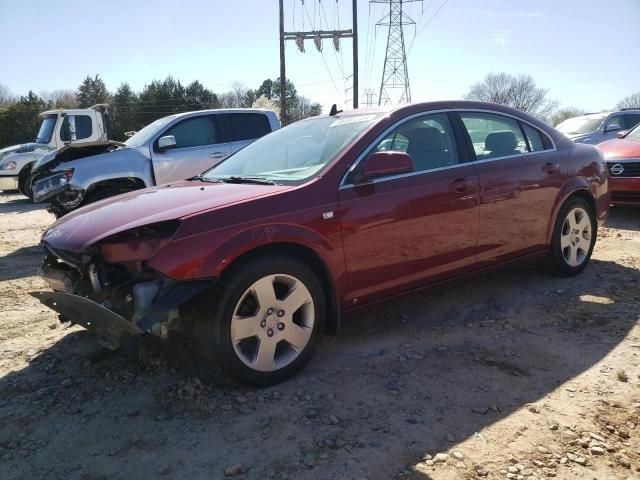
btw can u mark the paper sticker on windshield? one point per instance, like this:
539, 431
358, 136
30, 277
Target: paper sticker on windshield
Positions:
347, 120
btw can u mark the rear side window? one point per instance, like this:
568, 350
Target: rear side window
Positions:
537, 140
247, 126
494, 135
194, 132
631, 120
80, 123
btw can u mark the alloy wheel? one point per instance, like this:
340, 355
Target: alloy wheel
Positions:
576, 237
272, 322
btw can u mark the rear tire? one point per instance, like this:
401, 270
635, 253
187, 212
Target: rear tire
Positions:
574, 236
263, 323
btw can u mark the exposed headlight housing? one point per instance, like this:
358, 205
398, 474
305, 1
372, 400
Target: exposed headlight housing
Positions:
138, 244
8, 165
52, 185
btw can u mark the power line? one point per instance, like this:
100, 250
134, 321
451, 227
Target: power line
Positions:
426, 24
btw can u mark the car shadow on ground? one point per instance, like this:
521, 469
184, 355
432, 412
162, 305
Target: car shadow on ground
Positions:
30, 259
413, 375
19, 204
624, 217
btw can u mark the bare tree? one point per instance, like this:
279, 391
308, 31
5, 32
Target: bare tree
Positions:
60, 98
6, 97
630, 101
519, 92
304, 108
565, 113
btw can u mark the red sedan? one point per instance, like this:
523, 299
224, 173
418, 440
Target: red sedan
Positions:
260, 255
622, 155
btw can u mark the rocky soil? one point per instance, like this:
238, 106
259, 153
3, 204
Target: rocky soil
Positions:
510, 375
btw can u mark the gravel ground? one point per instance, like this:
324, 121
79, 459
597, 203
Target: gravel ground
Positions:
512, 374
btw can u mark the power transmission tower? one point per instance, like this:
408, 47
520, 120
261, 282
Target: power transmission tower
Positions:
317, 36
369, 95
394, 87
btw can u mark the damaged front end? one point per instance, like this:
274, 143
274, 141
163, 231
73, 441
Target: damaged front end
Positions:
111, 291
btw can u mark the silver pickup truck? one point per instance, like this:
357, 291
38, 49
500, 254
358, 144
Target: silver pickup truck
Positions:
172, 148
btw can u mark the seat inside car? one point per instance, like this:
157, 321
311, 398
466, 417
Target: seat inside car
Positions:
427, 148
500, 144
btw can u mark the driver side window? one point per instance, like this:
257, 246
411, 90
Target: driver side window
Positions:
427, 139
194, 132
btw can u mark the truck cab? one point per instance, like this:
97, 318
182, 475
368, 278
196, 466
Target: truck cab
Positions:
58, 128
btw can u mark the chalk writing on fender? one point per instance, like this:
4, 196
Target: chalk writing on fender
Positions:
263, 233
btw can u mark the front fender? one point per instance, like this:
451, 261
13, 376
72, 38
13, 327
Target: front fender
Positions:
211, 254
125, 163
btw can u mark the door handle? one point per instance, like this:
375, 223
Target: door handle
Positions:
216, 155
551, 168
460, 185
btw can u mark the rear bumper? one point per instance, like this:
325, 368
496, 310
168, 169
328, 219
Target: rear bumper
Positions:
8, 182
625, 191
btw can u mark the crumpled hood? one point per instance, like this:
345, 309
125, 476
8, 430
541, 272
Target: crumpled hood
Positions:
620, 148
32, 148
74, 151
86, 226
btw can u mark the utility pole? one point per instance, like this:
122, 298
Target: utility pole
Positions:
283, 77
395, 75
355, 53
317, 36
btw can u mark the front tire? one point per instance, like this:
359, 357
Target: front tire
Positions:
264, 322
24, 182
574, 237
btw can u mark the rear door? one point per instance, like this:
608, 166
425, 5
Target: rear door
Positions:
400, 230
199, 146
245, 127
520, 175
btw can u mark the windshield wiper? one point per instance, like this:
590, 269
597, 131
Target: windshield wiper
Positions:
201, 178
258, 180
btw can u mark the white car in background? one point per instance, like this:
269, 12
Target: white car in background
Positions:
595, 128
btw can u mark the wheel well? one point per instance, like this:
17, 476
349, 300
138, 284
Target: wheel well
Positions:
125, 184
586, 195
581, 193
311, 258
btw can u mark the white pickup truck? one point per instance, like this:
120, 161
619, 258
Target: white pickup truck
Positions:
58, 128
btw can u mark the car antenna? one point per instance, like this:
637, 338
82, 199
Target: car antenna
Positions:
334, 110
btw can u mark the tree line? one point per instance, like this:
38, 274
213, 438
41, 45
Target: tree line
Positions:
130, 111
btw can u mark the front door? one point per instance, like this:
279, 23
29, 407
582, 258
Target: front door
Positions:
198, 148
520, 176
400, 230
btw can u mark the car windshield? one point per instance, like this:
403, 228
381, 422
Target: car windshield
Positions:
581, 125
47, 127
634, 134
141, 137
294, 153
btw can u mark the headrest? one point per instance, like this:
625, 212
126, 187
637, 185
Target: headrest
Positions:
501, 142
426, 139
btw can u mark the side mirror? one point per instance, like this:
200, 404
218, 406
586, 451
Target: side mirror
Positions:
387, 163
612, 128
623, 133
166, 143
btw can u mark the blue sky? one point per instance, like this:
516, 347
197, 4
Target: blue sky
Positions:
584, 51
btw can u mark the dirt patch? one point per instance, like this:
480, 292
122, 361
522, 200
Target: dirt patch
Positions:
513, 374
